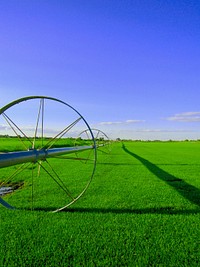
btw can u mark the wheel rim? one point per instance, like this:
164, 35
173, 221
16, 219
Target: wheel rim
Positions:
55, 183
102, 141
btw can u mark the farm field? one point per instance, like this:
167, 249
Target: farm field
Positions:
141, 209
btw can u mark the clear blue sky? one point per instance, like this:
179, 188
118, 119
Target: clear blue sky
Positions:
131, 68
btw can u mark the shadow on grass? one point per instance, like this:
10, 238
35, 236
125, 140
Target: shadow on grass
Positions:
159, 210
186, 190
138, 164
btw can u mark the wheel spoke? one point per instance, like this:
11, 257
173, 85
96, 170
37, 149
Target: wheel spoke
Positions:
97, 134
15, 173
102, 151
11, 123
40, 110
89, 154
87, 135
42, 121
57, 179
32, 188
60, 134
39, 168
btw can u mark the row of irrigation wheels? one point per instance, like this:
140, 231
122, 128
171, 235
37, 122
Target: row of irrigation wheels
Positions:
51, 161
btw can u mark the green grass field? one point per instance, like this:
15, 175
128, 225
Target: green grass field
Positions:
141, 209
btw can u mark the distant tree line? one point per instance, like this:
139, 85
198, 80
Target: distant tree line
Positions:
156, 140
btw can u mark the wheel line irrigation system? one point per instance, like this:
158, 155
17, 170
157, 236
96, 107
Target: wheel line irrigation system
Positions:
48, 148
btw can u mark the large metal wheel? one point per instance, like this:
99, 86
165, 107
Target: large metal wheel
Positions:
40, 123
102, 141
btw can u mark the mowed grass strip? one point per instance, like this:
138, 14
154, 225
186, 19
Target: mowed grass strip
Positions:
141, 209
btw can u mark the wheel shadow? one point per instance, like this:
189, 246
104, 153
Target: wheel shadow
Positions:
158, 210
186, 190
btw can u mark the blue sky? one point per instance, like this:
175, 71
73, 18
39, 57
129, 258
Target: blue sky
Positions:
131, 68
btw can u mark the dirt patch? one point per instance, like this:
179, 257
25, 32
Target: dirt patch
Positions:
9, 187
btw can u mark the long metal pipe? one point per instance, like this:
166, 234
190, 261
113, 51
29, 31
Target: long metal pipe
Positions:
13, 158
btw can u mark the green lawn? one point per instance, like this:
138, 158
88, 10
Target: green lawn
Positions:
141, 209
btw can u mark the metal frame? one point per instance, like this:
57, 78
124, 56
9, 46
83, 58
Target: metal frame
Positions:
101, 145
34, 155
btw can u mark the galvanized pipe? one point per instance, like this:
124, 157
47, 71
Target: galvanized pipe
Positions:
14, 158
